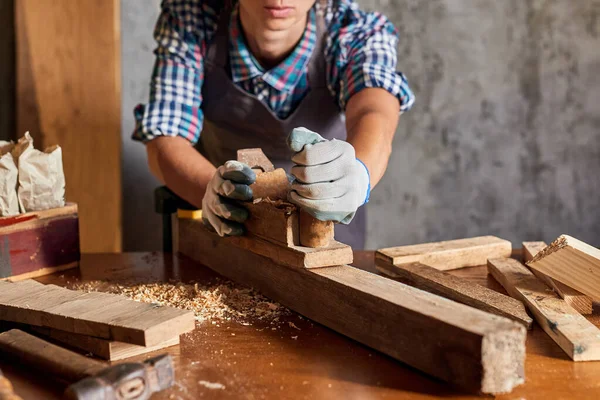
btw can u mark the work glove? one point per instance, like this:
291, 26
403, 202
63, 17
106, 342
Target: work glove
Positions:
330, 182
230, 182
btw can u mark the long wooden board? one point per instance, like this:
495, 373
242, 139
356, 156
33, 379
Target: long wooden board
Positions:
572, 262
578, 337
106, 349
450, 254
457, 289
95, 314
579, 301
451, 341
68, 92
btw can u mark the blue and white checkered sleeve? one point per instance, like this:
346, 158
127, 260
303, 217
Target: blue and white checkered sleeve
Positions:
175, 89
365, 56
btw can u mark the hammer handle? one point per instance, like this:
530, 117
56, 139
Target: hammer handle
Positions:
47, 357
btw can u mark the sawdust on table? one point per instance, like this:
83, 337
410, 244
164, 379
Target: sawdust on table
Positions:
215, 302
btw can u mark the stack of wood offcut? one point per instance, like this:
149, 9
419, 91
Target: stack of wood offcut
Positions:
105, 325
557, 283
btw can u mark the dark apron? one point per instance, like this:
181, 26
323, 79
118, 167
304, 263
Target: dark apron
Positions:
235, 119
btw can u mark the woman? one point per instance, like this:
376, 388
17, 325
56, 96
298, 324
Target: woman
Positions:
253, 73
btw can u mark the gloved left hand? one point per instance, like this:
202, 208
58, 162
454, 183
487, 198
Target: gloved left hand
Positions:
330, 182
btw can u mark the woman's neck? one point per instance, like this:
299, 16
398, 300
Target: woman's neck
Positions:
267, 46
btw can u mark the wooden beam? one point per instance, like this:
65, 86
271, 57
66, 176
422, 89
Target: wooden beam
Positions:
579, 301
578, 337
572, 262
450, 254
456, 343
457, 289
95, 314
68, 93
39, 243
106, 349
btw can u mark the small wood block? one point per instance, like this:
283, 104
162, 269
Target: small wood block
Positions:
102, 348
457, 289
453, 342
255, 158
572, 262
39, 243
100, 315
578, 337
313, 232
579, 301
275, 221
272, 185
448, 255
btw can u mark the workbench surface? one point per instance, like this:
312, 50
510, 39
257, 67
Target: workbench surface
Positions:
308, 361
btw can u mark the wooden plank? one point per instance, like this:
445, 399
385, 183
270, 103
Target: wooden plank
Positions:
454, 342
68, 93
106, 349
450, 254
100, 315
457, 289
579, 301
572, 262
39, 243
275, 221
578, 337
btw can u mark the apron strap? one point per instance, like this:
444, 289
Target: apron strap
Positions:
219, 48
317, 67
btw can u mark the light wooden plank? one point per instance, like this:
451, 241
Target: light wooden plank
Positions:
457, 289
578, 337
572, 262
579, 301
68, 93
102, 348
454, 342
95, 314
450, 254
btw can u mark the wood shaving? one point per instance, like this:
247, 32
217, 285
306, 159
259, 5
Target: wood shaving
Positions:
212, 385
219, 301
554, 246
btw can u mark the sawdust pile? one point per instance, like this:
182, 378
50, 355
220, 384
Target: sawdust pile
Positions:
219, 301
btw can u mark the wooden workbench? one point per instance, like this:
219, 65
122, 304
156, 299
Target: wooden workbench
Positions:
255, 362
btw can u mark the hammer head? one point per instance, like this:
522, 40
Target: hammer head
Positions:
127, 381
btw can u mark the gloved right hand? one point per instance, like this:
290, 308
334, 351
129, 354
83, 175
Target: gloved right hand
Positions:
231, 181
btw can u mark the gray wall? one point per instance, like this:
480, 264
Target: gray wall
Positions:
504, 138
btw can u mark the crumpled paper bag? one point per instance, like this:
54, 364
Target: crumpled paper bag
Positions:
9, 204
41, 176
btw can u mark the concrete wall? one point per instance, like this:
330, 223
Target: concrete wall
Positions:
504, 138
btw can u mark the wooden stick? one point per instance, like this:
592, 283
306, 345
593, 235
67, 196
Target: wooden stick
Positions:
448, 255
454, 342
454, 288
101, 315
579, 301
572, 262
578, 337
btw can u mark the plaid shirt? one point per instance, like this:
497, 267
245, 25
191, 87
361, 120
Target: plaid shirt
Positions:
360, 53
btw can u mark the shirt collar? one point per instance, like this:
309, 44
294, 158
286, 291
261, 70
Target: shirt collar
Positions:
284, 76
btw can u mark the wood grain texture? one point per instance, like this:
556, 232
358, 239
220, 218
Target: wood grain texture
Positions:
579, 301
456, 343
37, 243
68, 93
106, 349
572, 262
100, 315
450, 254
314, 232
276, 222
273, 185
255, 159
457, 289
578, 337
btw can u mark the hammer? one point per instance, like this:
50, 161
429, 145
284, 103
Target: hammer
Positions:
94, 380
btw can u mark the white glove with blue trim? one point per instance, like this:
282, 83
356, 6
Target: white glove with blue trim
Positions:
231, 181
330, 182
